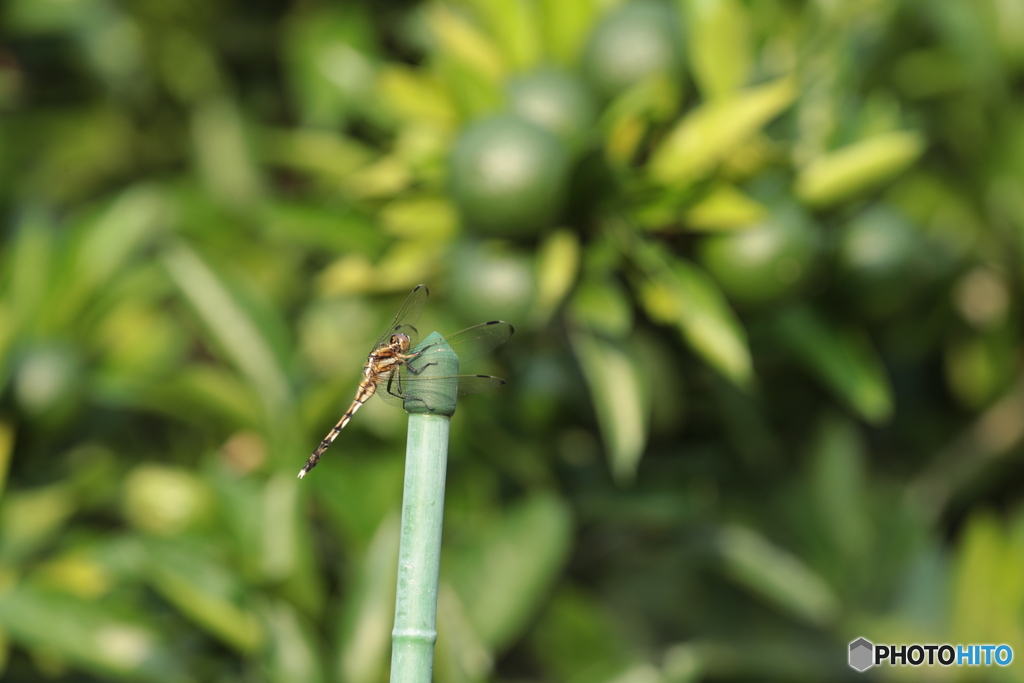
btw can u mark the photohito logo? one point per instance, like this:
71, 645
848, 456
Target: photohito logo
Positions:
864, 654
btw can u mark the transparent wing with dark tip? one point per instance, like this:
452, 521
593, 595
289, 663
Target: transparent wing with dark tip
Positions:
472, 342
408, 315
432, 390
469, 344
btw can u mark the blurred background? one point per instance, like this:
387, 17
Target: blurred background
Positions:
765, 394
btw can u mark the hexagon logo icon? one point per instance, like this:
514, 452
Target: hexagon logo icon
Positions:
861, 654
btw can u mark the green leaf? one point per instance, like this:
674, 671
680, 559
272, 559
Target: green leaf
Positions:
724, 208
5, 650
475, 93
281, 543
601, 305
49, 16
231, 325
327, 154
331, 60
202, 590
460, 656
843, 360
288, 553
194, 394
626, 120
87, 635
714, 130
681, 294
240, 501
415, 96
980, 366
566, 24
459, 40
30, 518
514, 26
505, 578
776, 575
6, 449
358, 494
133, 220
293, 652
222, 151
429, 219
839, 487
617, 392
986, 592
579, 640
29, 260
364, 639
858, 167
337, 229
720, 46
557, 265
385, 177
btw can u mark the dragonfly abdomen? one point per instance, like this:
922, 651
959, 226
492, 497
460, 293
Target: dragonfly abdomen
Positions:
365, 391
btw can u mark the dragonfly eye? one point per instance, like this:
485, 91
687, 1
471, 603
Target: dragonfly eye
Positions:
401, 340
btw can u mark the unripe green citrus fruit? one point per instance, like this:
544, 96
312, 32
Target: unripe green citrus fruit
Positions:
556, 101
765, 263
633, 42
508, 176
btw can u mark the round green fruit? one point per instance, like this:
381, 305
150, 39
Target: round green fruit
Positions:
633, 42
492, 280
556, 101
765, 263
881, 261
48, 381
508, 176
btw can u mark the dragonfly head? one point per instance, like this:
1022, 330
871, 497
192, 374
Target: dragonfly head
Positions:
400, 342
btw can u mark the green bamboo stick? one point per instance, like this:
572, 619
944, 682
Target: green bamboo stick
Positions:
419, 551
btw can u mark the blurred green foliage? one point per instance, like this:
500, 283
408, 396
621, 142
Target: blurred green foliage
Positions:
766, 394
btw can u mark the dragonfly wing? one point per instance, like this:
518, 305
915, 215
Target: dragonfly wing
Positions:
476, 341
408, 315
475, 384
433, 390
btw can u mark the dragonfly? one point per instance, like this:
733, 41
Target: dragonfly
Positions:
392, 370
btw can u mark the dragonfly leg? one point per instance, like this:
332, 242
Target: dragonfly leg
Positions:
394, 388
411, 356
416, 371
